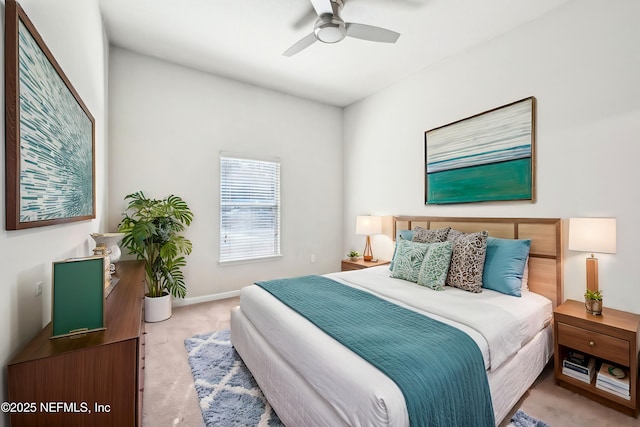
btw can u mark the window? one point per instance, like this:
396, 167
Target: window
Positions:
249, 208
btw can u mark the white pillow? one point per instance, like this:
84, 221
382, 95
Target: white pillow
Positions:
525, 277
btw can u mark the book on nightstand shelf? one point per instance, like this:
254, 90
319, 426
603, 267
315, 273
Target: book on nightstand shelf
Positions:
577, 359
613, 379
579, 366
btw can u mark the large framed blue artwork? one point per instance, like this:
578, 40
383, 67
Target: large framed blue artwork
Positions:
486, 157
49, 134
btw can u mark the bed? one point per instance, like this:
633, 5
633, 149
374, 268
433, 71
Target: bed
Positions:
311, 379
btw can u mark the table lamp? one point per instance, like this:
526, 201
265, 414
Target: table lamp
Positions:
592, 235
367, 225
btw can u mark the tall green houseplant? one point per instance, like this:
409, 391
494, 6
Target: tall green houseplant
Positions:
152, 228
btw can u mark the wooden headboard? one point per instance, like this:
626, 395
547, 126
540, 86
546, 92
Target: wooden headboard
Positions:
545, 256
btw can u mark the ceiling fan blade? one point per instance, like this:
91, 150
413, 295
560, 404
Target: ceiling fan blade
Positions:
371, 33
405, 4
303, 43
306, 19
322, 6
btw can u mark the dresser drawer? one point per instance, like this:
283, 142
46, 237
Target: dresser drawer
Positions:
603, 346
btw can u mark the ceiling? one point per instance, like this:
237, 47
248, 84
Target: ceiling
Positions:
245, 39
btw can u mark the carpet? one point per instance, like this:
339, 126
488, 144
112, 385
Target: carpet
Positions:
228, 394
230, 397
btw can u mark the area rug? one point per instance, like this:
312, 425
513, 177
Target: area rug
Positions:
520, 419
230, 397
228, 394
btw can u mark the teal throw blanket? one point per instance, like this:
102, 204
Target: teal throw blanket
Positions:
438, 368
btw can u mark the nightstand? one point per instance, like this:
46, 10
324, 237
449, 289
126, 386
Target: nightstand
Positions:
611, 337
348, 265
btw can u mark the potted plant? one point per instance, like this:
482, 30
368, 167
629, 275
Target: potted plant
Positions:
593, 301
353, 255
151, 230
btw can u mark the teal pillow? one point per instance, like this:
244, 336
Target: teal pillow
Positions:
406, 235
435, 266
504, 265
408, 259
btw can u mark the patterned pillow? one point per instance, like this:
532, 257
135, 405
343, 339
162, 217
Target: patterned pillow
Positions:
467, 262
406, 235
433, 272
409, 256
422, 235
453, 235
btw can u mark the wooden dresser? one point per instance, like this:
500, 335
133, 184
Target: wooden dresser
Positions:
95, 379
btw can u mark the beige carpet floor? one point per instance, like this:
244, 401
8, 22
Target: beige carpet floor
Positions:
170, 398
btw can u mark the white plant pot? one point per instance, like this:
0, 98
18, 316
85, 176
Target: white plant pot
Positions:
157, 309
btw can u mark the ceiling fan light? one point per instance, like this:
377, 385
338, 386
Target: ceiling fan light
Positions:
330, 29
331, 34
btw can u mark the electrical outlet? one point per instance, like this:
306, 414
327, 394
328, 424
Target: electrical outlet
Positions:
313, 257
38, 288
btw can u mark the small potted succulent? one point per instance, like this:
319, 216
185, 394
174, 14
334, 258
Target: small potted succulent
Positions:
353, 255
593, 301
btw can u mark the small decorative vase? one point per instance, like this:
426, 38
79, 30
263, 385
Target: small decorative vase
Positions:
353, 258
593, 306
111, 240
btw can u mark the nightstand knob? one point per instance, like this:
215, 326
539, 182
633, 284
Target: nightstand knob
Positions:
592, 344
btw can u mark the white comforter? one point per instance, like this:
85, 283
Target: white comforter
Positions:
338, 378
500, 324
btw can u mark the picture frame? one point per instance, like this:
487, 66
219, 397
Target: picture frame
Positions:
486, 157
49, 134
77, 297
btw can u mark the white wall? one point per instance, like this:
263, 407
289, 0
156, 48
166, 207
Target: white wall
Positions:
582, 63
72, 29
167, 127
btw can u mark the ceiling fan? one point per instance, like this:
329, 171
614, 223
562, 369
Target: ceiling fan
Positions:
330, 28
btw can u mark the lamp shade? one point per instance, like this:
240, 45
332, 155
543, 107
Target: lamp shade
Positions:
592, 235
368, 225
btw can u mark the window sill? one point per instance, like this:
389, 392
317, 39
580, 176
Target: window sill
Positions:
249, 260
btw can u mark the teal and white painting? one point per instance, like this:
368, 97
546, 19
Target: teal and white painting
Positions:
56, 179
487, 157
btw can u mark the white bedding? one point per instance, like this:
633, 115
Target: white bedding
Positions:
333, 385
500, 324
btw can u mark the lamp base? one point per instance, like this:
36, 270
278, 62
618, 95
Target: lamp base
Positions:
367, 255
592, 273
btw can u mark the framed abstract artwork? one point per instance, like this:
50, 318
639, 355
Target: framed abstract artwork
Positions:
486, 157
50, 134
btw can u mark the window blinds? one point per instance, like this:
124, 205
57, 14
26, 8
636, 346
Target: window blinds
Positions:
249, 208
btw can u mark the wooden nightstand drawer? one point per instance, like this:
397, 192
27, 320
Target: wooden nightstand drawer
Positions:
600, 345
348, 265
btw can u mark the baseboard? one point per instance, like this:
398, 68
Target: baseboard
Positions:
205, 298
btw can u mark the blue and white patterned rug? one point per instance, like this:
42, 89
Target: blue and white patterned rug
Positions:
520, 419
228, 394
230, 397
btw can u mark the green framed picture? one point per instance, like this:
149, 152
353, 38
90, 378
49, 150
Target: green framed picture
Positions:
77, 301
